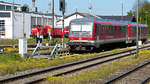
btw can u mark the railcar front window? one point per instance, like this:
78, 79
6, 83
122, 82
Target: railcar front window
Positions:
81, 30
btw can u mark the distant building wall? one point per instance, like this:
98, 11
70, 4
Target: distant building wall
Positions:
6, 24
6, 6
18, 23
67, 20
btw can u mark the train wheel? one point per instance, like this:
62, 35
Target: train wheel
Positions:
89, 48
72, 48
143, 41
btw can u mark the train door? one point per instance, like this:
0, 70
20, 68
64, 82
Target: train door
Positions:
127, 32
97, 31
102, 32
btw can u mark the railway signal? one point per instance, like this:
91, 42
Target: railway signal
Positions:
62, 8
62, 5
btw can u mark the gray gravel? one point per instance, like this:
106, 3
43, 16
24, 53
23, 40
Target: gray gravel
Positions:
133, 78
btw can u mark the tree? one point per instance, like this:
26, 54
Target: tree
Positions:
144, 12
25, 8
130, 13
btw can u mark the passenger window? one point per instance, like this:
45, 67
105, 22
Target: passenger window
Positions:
107, 30
97, 29
102, 29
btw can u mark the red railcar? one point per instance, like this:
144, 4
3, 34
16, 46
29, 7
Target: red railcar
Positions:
90, 33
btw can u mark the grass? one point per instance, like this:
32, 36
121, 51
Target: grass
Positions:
92, 76
12, 62
30, 41
8, 41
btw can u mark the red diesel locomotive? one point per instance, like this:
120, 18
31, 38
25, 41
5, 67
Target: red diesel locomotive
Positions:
47, 30
89, 33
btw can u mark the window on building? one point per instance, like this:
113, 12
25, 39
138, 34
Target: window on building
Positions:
8, 8
15, 8
2, 7
4, 14
2, 27
33, 21
49, 21
39, 22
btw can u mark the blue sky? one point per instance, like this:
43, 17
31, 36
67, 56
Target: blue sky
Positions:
100, 7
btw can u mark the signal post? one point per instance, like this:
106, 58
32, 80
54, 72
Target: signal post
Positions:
62, 8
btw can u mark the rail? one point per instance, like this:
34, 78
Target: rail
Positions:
126, 73
107, 58
145, 80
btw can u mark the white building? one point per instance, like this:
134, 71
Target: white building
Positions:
6, 6
71, 17
13, 25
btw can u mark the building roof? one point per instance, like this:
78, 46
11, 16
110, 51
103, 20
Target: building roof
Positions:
82, 14
123, 18
9, 3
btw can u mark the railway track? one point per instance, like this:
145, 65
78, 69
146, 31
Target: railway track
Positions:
34, 77
30, 48
119, 79
29, 45
146, 80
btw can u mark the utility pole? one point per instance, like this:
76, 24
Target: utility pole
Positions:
90, 6
146, 17
76, 12
137, 31
49, 7
13, 20
53, 18
122, 9
63, 12
24, 34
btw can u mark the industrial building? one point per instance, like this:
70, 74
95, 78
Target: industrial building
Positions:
14, 24
6, 6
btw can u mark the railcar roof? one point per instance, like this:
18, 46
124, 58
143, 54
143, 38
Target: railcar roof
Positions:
91, 19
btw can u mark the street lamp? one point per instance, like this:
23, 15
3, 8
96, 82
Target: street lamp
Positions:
137, 30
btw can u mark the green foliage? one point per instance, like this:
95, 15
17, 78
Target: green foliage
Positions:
8, 41
144, 12
5, 58
30, 41
12, 62
25, 8
130, 13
